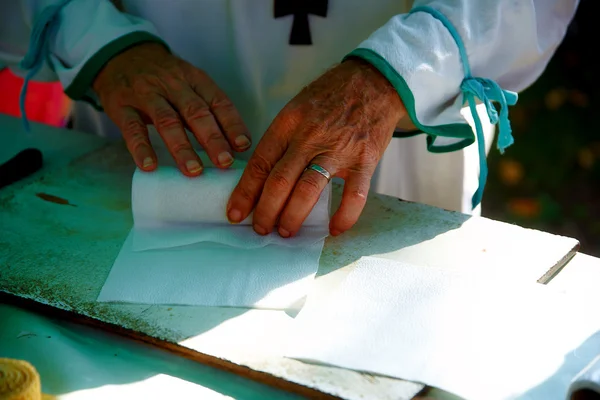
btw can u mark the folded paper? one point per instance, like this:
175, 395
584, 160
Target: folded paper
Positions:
182, 250
464, 334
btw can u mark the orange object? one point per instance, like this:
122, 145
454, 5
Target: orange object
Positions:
19, 380
511, 172
524, 208
45, 102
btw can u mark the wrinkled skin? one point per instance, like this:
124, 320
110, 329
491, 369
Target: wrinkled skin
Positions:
343, 121
147, 84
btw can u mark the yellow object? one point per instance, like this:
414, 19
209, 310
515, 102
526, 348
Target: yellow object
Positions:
19, 380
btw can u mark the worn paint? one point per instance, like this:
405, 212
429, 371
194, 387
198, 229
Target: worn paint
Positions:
54, 199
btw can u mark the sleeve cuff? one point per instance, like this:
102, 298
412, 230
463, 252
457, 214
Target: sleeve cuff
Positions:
81, 46
417, 54
440, 138
80, 87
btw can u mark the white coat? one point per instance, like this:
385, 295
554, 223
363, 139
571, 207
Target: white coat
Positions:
262, 52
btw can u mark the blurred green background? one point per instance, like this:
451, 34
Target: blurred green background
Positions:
550, 178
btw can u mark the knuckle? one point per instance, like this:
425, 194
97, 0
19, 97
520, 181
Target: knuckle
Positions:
295, 110
133, 127
357, 194
195, 110
277, 182
222, 103
143, 86
137, 141
245, 194
287, 121
368, 158
172, 80
165, 117
308, 186
180, 147
213, 137
259, 167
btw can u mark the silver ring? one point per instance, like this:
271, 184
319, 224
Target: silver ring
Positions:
320, 170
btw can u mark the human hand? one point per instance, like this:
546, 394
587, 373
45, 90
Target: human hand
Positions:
148, 85
342, 122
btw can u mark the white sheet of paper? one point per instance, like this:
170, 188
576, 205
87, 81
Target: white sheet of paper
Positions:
464, 334
182, 250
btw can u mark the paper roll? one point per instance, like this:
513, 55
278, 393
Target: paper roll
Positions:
172, 210
19, 380
168, 196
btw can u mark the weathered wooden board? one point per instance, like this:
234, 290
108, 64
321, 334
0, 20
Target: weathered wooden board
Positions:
60, 254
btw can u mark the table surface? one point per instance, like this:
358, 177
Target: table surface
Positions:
60, 255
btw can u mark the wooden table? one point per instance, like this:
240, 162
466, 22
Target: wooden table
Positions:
55, 257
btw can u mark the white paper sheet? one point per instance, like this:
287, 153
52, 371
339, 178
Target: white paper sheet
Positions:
464, 334
182, 250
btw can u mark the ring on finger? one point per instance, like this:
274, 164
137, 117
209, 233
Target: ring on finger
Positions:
317, 168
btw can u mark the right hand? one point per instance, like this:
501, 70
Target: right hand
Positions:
146, 84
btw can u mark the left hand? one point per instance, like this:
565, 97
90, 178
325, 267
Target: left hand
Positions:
342, 122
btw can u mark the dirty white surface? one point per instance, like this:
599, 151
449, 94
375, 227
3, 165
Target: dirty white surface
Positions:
76, 362
61, 254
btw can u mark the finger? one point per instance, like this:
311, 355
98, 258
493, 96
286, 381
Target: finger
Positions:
277, 189
202, 123
248, 190
354, 197
135, 133
169, 126
304, 197
225, 112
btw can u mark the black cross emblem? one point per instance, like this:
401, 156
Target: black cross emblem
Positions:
300, 34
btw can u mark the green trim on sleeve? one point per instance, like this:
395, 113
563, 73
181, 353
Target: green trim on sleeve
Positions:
78, 89
459, 131
402, 135
450, 147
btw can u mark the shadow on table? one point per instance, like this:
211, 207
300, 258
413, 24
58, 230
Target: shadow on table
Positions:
574, 362
72, 359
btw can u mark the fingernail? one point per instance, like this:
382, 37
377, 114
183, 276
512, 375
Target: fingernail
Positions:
225, 158
260, 230
335, 233
193, 166
242, 142
284, 233
148, 162
234, 216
